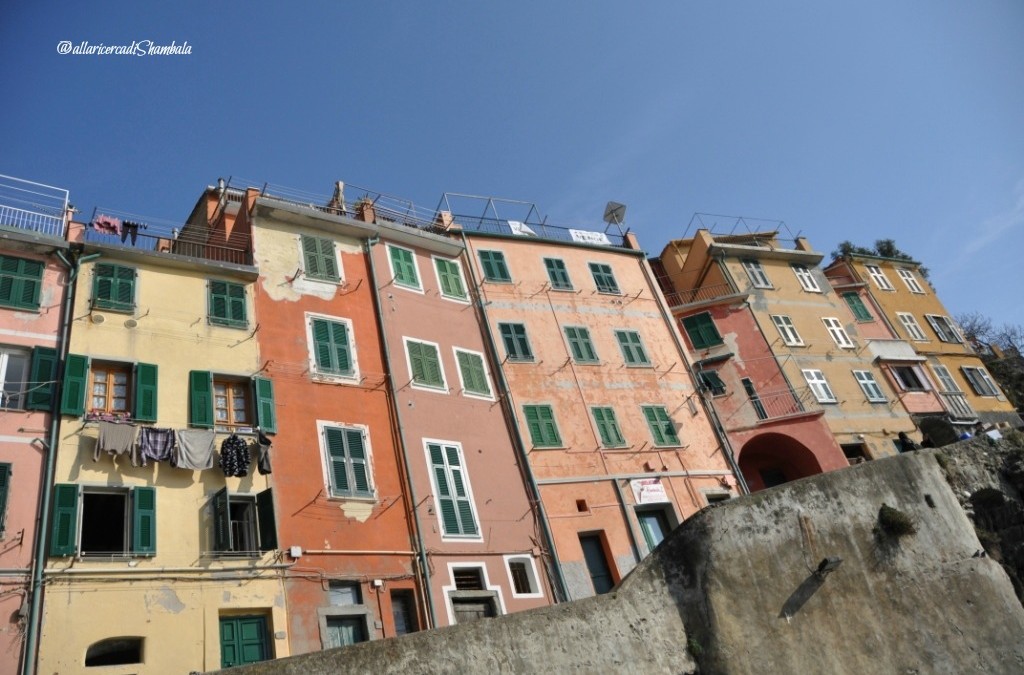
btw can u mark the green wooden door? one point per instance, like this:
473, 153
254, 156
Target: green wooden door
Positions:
243, 639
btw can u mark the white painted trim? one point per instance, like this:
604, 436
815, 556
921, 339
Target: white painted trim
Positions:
462, 380
443, 389
354, 378
23, 440
531, 571
479, 538
447, 590
45, 337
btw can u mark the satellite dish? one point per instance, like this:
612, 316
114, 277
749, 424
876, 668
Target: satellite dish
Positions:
615, 213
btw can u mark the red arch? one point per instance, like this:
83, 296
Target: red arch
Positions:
776, 457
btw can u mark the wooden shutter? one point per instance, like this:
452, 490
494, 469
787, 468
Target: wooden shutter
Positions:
533, 423
200, 398
334, 438
474, 377
236, 303
652, 422
263, 395
218, 300
467, 521
102, 285
267, 522
144, 521
357, 460
221, 504
5, 482
310, 250
327, 260
76, 382
340, 347
145, 392
42, 374
445, 498
65, 520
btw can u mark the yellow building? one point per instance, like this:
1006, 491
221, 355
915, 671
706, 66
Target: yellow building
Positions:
914, 312
161, 567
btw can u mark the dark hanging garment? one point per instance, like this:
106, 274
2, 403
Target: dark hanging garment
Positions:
262, 456
234, 457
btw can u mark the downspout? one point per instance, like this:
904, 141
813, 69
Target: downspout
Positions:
504, 395
420, 548
28, 664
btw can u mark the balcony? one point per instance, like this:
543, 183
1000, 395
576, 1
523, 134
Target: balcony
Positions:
33, 207
701, 295
958, 407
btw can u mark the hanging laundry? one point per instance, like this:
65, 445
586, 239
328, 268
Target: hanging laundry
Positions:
106, 224
114, 439
234, 457
262, 450
194, 449
131, 229
155, 444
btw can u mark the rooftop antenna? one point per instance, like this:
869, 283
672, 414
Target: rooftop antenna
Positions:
614, 214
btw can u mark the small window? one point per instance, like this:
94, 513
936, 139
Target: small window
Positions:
243, 524
854, 453
860, 311
660, 424
806, 278
403, 611
495, 269
348, 462
654, 524
473, 373
878, 276
913, 329
607, 427
910, 280
452, 491
344, 593
558, 275
787, 330
869, 386
517, 347
523, 575
944, 328
227, 304
403, 267
756, 274
701, 330
819, 386
838, 333
603, 278
20, 282
540, 420
232, 403
633, 352
114, 521
425, 368
755, 400
980, 381
580, 345
331, 347
320, 258
712, 381
908, 378
113, 287
115, 651
110, 390
14, 368
449, 277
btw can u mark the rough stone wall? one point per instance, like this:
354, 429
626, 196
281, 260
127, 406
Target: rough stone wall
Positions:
740, 576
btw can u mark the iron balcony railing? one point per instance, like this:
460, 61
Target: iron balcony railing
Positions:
692, 296
773, 405
33, 207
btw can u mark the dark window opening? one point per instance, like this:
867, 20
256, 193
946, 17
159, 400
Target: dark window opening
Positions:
755, 400
468, 579
520, 577
854, 453
471, 609
772, 477
907, 378
243, 524
114, 652
711, 381
581, 505
597, 563
403, 611
104, 523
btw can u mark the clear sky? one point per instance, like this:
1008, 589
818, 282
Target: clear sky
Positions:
858, 120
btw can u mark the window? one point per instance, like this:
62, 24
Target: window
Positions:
869, 386
854, 453
755, 400
980, 382
944, 328
344, 593
495, 269
128, 389
756, 274
819, 386
451, 490
114, 521
449, 277
321, 261
5, 488
580, 344
517, 347
878, 276
655, 526
910, 280
115, 651
702, 331
113, 287
633, 352
331, 349
403, 267
908, 378
597, 562
540, 420
243, 523
946, 381
20, 282
473, 373
345, 622
403, 611
425, 368
860, 311
348, 461
607, 427
472, 598
227, 304
806, 278
558, 275
910, 325
14, 366
212, 405
603, 278
660, 424
838, 333
787, 330
522, 574
109, 391
711, 380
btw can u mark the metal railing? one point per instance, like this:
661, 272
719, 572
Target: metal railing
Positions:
35, 207
692, 296
772, 405
957, 406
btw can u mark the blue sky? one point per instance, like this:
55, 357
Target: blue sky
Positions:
856, 121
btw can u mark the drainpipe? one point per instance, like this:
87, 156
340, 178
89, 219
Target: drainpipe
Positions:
505, 396
420, 548
28, 664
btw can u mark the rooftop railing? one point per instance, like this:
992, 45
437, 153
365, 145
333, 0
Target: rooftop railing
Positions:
33, 207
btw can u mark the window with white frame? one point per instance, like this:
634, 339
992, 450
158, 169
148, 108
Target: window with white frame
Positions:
910, 280
819, 386
838, 333
452, 493
980, 382
909, 378
473, 373
946, 382
449, 279
14, 366
878, 276
944, 328
910, 325
320, 258
756, 274
806, 278
522, 575
332, 351
425, 369
346, 452
787, 330
403, 267
868, 384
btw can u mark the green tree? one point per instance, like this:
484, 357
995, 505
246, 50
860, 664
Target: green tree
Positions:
883, 248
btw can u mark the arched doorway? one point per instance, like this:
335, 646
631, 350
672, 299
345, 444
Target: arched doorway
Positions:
773, 459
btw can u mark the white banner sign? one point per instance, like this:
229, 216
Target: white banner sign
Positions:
648, 491
585, 237
521, 229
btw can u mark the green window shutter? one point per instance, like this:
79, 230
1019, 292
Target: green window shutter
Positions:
580, 345
263, 395
460, 490
311, 256
451, 279
474, 376
76, 382
517, 347
144, 520
661, 426
328, 260
145, 392
335, 441
318, 256
350, 470
113, 287
425, 365
5, 486
221, 504
63, 539
404, 265
200, 398
711, 380
702, 331
493, 263
604, 279
632, 348
357, 460
42, 374
558, 275
607, 427
267, 522
540, 420
20, 282
860, 311
227, 304
445, 499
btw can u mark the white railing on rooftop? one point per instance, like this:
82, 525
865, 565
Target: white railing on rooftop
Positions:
35, 207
